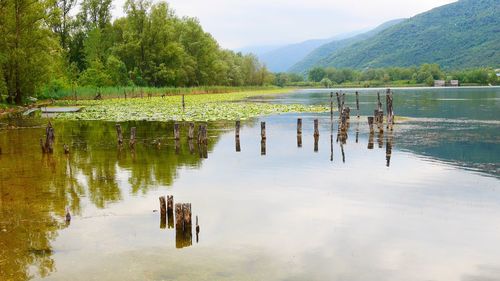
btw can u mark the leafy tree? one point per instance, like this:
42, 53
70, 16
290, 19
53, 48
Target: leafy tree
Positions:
316, 74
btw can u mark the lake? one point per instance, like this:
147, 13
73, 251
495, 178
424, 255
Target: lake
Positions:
420, 202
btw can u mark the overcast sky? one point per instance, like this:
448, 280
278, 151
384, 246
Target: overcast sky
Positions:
236, 24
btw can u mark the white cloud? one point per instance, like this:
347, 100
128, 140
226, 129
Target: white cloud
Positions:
262, 22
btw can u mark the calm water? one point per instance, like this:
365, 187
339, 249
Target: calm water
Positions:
427, 209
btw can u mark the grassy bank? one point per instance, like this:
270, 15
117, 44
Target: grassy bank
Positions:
135, 92
207, 107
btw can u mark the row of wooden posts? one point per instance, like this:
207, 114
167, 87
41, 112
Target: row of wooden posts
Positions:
344, 116
183, 220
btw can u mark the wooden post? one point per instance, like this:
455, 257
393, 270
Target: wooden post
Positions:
339, 106
179, 216
263, 147
48, 146
177, 134
65, 147
299, 140
163, 212
347, 111
388, 150
191, 146
331, 105
343, 153
263, 130
197, 230
299, 126
370, 139
177, 147
191, 131
316, 128
380, 139
170, 211
238, 145
183, 104
343, 100
357, 102
379, 103
119, 133
132, 137
237, 130
370, 123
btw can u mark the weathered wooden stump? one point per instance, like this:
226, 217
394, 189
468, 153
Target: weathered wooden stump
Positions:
370, 140
177, 133
379, 103
299, 126
347, 111
197, 230
316, 128
370, 123
380, 139
191, 146
177, 147
263, 130
170, 211
183, 225
202, 134
191, 131
132, 137
339, 105
119, 134
331, 105
357, 102
238, 146
48, 146
388, 150
163, 212
237, 129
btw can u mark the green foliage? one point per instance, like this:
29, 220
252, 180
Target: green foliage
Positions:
318, 56
28, 48
459, 35
198, 108
371, 77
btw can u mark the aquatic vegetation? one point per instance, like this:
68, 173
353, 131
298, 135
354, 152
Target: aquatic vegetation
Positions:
206, 107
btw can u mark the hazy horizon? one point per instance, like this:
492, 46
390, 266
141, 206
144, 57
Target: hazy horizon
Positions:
241, 24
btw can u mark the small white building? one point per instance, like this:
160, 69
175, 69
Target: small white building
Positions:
439, 83
454, 83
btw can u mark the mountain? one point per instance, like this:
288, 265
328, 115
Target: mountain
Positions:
318, 55
458, 35
280, 58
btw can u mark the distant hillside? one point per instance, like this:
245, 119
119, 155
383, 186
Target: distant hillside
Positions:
281, 58
458, 35
318, 55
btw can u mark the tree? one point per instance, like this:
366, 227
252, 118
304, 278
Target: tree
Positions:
29, 48
316, 74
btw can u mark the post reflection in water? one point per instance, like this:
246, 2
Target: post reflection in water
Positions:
388, 148
299, 140
263, 146
238, 147
370, 140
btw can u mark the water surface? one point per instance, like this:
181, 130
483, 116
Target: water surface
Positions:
422, 204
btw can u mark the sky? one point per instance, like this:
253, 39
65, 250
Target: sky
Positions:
238, 24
